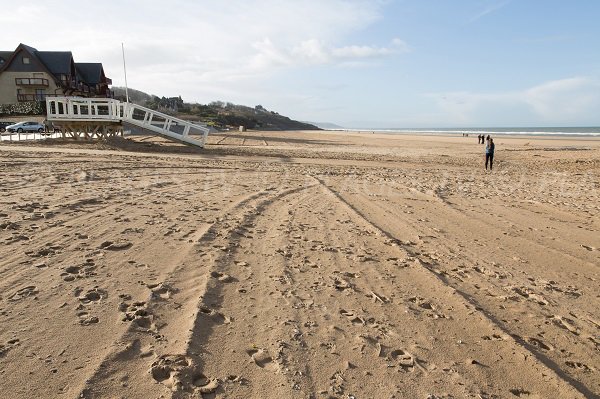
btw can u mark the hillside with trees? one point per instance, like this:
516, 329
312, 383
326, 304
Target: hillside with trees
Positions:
218, 114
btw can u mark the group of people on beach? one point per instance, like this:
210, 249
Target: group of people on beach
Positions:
489, 149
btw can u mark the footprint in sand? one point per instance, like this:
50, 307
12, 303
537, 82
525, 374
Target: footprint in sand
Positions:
422, 303
93, 295
180, 373
403, 358
520, 392
262, 359
354, 319
528, 293
71, 273
9, 226
241, 263
579, 366
162, 291
399, 357
340, 284
494, 337
118, 245
565, 323
138, 314
214, 316
4, 348
224, 278
49, 250
85, 319
538, 343
23, 293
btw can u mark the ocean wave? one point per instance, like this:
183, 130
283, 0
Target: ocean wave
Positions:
592, 132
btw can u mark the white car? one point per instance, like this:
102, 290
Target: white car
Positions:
26, 127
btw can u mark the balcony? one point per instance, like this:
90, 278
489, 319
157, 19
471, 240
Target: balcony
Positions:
31, 82
30, 97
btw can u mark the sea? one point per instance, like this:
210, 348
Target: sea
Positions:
493, 131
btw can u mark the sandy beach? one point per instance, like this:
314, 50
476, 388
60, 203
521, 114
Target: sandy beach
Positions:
300, 265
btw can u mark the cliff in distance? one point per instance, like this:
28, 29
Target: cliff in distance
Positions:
218, 114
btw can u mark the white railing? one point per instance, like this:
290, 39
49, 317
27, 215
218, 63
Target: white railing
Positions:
166, 125
82, 109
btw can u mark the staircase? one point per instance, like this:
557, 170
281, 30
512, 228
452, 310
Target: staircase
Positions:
96, 111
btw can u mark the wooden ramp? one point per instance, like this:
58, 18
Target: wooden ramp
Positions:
88, 118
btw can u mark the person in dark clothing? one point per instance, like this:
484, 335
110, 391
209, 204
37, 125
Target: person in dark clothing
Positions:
489, 153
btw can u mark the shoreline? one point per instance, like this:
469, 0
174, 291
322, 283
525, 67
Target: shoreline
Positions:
471, 133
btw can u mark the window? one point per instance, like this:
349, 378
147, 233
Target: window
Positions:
25, 60
40, 94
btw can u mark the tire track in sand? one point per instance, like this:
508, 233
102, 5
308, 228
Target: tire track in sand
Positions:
175, 314
489, 286
315, 298
561, 379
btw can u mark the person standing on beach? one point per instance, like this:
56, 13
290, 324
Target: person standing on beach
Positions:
489, 152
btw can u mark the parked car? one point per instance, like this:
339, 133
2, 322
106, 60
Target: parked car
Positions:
3, 126
26, 127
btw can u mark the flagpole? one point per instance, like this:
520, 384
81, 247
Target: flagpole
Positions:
125, 70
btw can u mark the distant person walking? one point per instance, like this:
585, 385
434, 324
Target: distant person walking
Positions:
479, 138
489, 152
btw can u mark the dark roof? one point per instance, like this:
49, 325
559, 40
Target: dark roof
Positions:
5, 54
58, 62
28, 48
21, 46
91, 72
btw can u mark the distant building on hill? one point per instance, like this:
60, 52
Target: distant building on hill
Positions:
27, 75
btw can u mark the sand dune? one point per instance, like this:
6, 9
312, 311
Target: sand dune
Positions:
300, 265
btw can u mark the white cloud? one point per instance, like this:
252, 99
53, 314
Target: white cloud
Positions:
565, 99
312, 51
557, 102
315, 52
397, 46
197, 48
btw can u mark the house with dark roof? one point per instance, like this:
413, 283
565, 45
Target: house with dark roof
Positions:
27, 74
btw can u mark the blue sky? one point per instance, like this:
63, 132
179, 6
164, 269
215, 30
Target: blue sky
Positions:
379, 63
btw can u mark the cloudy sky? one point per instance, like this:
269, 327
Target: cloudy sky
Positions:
356, 63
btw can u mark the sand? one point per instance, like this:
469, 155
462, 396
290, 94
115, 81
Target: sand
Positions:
300, 265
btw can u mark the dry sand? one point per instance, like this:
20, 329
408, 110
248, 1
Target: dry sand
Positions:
300, 265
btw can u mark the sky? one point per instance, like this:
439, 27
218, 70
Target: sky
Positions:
355, 63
